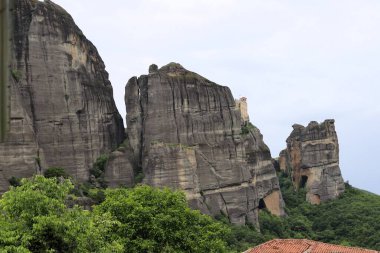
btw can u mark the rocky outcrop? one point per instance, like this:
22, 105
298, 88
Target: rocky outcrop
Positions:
312, 159
241, 104
63, 113
186, 133
120, 168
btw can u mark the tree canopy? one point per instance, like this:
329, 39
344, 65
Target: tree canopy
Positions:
35, 217
39, 216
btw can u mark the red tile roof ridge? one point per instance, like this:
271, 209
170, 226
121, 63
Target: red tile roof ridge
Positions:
304, 246
317, 243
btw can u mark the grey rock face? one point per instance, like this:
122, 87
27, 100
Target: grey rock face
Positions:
63, 112
119, 169
312, 158
186, 133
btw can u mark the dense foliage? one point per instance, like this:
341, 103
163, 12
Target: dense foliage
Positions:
351, 220
35, 217
97, 171
152, 220
38, 215
55, 172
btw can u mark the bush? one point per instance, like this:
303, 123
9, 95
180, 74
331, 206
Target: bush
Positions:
97, 195
16, 74
99, 166
247, 128
243, 237
14, 181
55, 172
139, 177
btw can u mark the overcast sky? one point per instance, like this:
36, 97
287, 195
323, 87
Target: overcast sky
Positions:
295, 61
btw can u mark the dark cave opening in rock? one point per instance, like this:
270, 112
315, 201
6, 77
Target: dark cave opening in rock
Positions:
303, 181
262, 204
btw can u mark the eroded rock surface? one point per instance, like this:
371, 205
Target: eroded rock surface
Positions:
186, 133
312, 159
63, 113
120, 167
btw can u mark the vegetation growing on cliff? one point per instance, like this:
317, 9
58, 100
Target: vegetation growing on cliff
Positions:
247, 128
56, 172
97, 170
351, 220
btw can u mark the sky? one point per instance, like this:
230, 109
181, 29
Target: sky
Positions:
296, 61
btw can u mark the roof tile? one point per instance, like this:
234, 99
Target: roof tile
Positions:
304, 246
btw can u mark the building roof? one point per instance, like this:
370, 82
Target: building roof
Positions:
304, 246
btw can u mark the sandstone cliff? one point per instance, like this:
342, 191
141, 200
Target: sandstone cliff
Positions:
62, 108
186, 133
312, 159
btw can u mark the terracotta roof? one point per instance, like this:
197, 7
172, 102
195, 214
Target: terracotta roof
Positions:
304, 246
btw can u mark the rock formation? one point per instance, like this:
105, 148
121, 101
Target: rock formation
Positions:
62, 108
241, 104
120, 169
186, 133
312, 159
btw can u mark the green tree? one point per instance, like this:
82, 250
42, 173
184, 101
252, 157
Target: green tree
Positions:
159, 220
243, 237
273, 226
34, 218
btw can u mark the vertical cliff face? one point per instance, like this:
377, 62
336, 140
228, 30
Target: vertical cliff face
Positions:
186, 133
63, 112
312, 159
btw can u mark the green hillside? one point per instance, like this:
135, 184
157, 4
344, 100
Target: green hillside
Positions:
352, 220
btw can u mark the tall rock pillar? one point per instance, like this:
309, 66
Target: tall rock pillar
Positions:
312, 159
62, 108
186, 133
